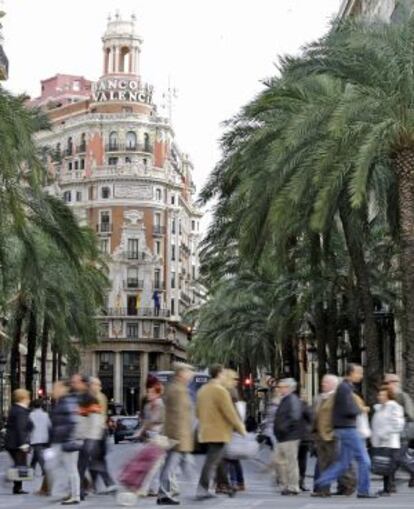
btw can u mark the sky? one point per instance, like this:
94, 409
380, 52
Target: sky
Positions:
214, 52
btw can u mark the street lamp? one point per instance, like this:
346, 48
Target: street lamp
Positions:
3, 362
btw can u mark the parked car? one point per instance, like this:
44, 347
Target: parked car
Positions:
125, 427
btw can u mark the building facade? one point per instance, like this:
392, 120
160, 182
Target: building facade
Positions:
385, 10
4, 62
117, 164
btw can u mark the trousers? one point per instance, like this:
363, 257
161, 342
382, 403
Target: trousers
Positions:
208, 472
286, 461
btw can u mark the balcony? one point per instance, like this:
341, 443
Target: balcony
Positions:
142, 312
104, 228
185, 298
134, 255
158, 285
4, 64
137, 147
133, 283
158, 230
81, 149
68, 152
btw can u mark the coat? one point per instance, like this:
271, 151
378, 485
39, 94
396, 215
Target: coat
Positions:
322, 424
64, 419
387, 425
41, 427
288, 419
18, 427
179, 416
217, 415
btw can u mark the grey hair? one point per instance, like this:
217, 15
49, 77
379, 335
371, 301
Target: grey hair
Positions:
332, 378
290, 382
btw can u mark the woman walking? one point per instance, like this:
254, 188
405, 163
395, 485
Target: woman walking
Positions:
387, 425
39, 440
17, 433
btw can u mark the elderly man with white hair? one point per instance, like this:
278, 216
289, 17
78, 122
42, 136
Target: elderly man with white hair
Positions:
288, 431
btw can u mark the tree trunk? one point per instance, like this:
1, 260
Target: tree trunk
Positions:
54, 364
43, 358
404, 169
31, 349
353, 237
15, 370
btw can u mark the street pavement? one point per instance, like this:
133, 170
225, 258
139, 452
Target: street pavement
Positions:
260, 494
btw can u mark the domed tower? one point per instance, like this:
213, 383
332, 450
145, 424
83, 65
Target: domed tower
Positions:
121, 47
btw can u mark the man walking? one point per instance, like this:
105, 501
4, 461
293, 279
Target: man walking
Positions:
351, 445
218, 418
287, 428
178, 427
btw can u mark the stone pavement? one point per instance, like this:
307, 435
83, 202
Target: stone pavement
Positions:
260, 494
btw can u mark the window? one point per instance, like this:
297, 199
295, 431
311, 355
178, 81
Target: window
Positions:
132, 303
193, 225
158, 247
105, 224
173, 253
106, 359
76, 165
76, 85
67, 196
133, 245
70, 146
158, 194
128, 160
132, 278
78, 195
82, 146
90, 193
173, 226
131, 140
106, 192
157, 279
82, 164
173, 199
153, 361
172, 279
179, 227
145, 162
173, 306
194, 272
146, 143
70, 165
157, 330
112, 161
157, 219
113, 141
132, 330
104, 245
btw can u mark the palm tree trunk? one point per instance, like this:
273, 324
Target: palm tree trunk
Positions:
54, 364
15, 369
43, 358
404, 169
356, 252
31, 348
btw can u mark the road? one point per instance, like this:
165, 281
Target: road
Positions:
260, 494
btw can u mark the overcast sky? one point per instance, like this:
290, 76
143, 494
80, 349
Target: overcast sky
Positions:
215, 51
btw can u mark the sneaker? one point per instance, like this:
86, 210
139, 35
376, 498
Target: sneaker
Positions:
167, 501
71, 501
322, 494
289, 493
367, 495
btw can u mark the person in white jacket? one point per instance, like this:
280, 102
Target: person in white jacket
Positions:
387, 425
40, 439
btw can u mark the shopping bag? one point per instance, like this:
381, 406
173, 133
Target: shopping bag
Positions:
241, 447
382, 461
407, 460
21, 473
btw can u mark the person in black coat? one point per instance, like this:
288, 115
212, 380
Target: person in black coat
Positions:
17, 433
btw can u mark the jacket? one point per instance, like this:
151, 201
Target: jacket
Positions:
322, 424
41, 427
217, 415
64, 419
91, 424
179, 416
18, 427
387, 425
345, 408
288, 419
404, 399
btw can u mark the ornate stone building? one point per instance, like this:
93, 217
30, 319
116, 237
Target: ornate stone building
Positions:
386, 10
118, 166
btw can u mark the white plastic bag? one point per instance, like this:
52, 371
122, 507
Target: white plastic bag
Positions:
241, 447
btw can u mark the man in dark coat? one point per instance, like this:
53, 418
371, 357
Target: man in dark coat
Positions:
17, 433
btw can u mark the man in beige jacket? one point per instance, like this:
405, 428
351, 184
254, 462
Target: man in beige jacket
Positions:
218, 419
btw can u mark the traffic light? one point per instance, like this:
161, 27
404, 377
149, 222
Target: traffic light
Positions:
248, 382
40, 393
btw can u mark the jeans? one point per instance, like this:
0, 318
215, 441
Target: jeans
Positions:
37, 456
208, 472
19, 460
87, 455
351, 447
167, 484
68, 461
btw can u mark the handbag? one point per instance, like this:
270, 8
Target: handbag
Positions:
362, 425
241, 447
407, 459
408, 432
72, 445
21, 473
382, 461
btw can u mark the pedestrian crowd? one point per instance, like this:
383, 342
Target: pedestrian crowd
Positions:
349, 439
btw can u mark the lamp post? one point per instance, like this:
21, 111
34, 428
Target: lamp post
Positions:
3, 362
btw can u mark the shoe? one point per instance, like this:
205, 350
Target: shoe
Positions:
289, 493
206, 496
342, 493
240, 487
167, 501
152, 494
303, 488
322, 494
71, 501
383, 493
112, 489
366, 495
20, 492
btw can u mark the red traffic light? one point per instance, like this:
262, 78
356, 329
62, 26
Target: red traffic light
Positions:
248, 382
40, 393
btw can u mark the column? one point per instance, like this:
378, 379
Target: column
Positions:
143, 367
113, 54
118, 385
131, 60
117, 58
136, 64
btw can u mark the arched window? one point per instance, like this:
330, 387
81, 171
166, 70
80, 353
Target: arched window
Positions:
158, 194
82, 146
147, 147
113, 140
106, 192
70, 146
131, 140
